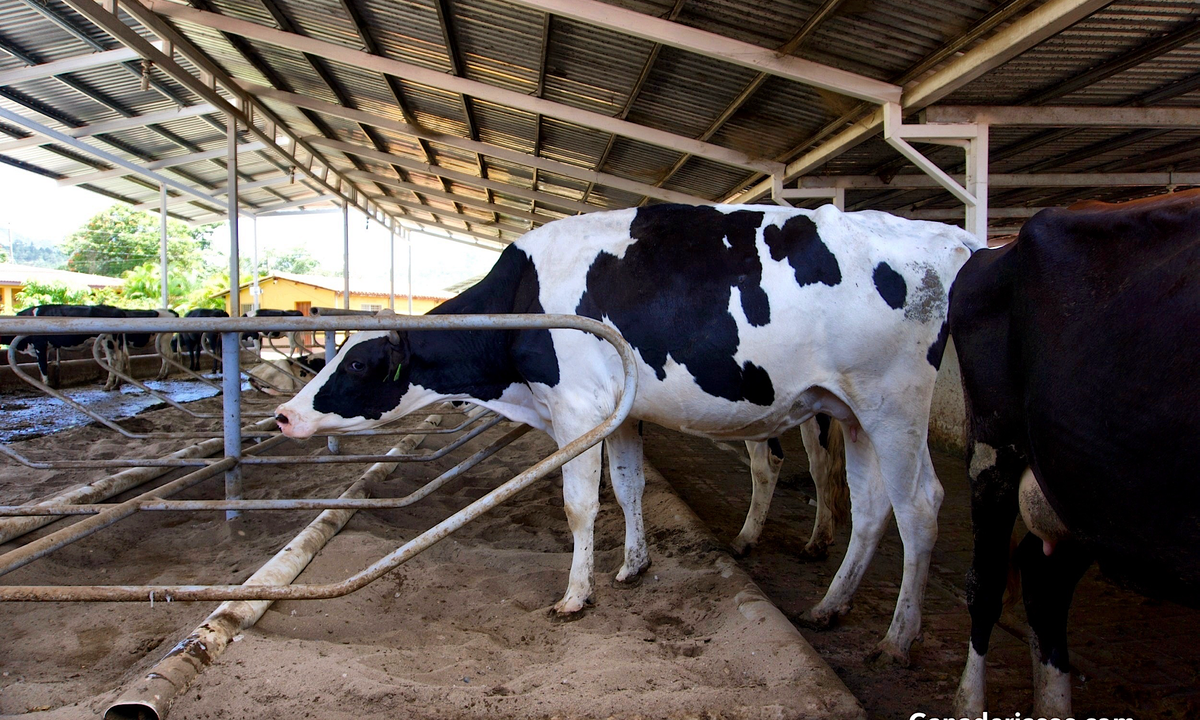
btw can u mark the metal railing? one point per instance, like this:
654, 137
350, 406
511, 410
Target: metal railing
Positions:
104, 515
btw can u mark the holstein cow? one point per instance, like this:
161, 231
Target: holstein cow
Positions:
193, 342
39, 345
294, 342
118, 357
748, 320
1081, 367
284, 376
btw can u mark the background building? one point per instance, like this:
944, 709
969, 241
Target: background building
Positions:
14, 277
288, 291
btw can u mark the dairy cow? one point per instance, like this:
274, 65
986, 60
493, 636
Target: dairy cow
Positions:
118, 355
284, 376
1081, 368
193, 342
748, 320
39, 345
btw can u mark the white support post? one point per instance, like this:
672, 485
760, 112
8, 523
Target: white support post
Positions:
162, 212
231, 377
408, 239
392, 268
972, 137
255, 290
346, 254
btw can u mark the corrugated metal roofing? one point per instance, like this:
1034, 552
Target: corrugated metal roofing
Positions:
611, 73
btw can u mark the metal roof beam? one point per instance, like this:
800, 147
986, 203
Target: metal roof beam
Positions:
496, 243
514, 190
667, 195
1010, 180
460, 199
163, 116
450, 214
442, 81
515, 156
268, 209
272, 181
719, 47
1044, 22
1067, 116
159, 164
68, 65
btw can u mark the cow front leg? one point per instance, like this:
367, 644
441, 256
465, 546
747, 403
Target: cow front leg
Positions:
824, 444
581, 497
766, 459
870, 509
1047, 584
626, 467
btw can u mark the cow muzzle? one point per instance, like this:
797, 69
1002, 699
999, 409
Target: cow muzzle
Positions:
290, 423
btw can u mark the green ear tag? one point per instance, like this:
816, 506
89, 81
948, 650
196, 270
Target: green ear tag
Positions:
396, 376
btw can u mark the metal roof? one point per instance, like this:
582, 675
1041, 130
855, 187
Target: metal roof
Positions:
482, 117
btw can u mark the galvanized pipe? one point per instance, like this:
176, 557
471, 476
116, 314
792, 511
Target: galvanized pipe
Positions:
139, 593
96, 355
43, 509
41, 547
170, 361
152, 696
102, 489
331, 443
231, 405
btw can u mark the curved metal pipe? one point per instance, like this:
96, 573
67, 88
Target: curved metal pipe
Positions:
151, 697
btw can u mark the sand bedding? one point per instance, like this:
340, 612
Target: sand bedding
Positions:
463, 630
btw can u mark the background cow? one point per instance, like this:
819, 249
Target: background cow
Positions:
747, 320
39, 345
193, 342
1080, 353
118, 357
294, 341
284, 376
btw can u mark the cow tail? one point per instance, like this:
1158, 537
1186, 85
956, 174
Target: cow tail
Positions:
836, 489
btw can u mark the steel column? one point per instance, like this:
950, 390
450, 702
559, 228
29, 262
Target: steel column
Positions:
231, 376
162, 212
408, 239
331, 443
346, 255
392, 269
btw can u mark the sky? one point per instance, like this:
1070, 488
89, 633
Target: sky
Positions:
37, 207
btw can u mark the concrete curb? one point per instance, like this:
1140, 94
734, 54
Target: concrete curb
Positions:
824, 695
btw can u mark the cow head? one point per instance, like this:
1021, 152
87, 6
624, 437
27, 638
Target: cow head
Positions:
369, 383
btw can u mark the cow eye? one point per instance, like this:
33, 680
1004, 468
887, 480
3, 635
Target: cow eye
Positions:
357, 366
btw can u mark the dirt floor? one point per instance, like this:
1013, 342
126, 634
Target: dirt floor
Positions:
464, 630
1134, 657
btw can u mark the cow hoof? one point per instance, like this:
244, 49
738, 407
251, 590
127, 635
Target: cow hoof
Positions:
739, 548
886, 653
818, 619
631, 577
814, 552
627, 584
561, 614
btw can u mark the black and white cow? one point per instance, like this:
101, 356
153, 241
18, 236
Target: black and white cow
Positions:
284, 376
118, 357
39, 345
294, 341
1081, 365
748, 320
192, 343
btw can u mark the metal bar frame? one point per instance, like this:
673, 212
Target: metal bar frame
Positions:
138, 593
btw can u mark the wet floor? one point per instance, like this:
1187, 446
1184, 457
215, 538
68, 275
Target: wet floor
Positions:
28, 413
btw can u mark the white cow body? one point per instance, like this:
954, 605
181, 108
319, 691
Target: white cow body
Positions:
834, 344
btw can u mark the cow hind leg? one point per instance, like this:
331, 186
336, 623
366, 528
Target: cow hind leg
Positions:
626, 467
916, 496
994, 476
824, 444
1048, 583
581, 498
766, 458
869, 513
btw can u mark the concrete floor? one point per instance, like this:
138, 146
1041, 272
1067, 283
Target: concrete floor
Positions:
1134, 657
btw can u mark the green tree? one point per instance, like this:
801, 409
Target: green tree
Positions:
297, 260
37, 292
120, 239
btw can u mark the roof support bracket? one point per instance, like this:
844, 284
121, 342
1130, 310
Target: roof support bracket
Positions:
782, 195
972, 137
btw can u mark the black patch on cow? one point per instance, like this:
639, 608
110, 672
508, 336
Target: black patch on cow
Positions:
669, 295
480, 364
938, 348
808, 255
891, 285
775, 447
369, 381
823, 424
